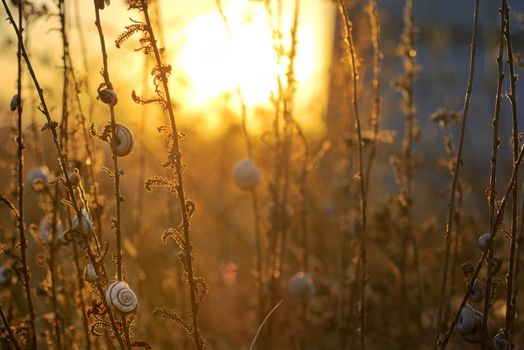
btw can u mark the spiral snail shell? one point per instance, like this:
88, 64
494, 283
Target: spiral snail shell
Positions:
90, 274
280, 216
246, 174
13, 105
108, 96
121, 298
87, 223
484, 241
467, 320
477, 293
301, 287
500, 341
124, 140
45, 230
74, 178
37, 177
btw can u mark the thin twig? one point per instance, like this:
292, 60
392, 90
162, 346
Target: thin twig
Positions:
457, 164
363, 198
198, 339
252, 346
9, 330
512, 95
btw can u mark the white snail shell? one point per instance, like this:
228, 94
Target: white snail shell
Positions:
74, 178
477, 293
87, 223
483, 241
500, 341
246, 174
45, 229
467, 320
90, 274
108, 96
121, 298
13, 105
38, 175
124, 140
280, 218
301, 287
5, 276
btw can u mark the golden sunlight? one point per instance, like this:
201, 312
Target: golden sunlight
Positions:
213, 63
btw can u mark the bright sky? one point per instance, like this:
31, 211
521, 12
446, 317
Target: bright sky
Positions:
207, 64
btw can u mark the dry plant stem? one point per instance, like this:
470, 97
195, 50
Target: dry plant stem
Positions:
363, 200
288, 130
20, 189
443, 342
52, 262
254, 199
493, 178
406, 165
455, 179
51, 125
12, 338
517, 271
89, 153
510, 305
81, 286
116, 171
377, 57
253, 342
180, 185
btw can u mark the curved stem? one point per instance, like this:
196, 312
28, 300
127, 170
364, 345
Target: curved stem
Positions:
455, 179
197, 337
363, 198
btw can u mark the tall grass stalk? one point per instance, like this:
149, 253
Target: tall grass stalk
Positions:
455, 178
20, 178
493, 178
512, 96
117, 172
186, 207
374, 19
353, 60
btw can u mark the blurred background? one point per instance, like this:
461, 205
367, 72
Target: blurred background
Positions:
209, 62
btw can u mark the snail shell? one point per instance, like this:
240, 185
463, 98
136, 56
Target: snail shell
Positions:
500, 341
121, 298
13, 105
108, 96
90, 274
246, 174
467, 320
87, 223
484, 240
280, 216
38, 176
46, 230
475, 335
74, 178
124, 140
5, 276
477, 293
301, 287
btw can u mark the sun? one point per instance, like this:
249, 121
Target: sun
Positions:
214, 63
